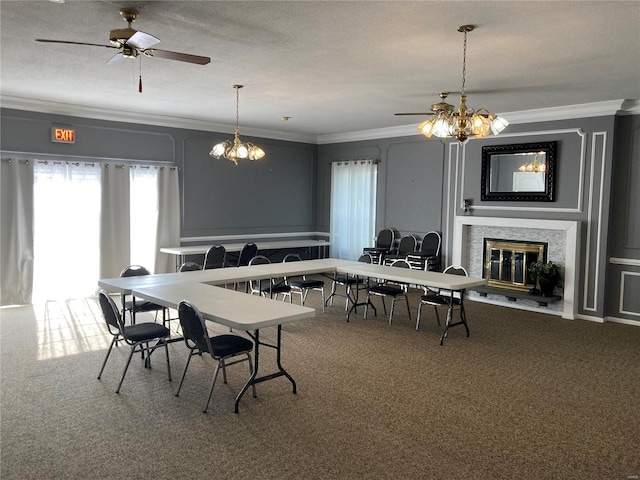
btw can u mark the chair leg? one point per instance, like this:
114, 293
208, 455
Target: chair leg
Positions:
323, 308
366, 305
418, 317
166, 349
253, 386
133, 349
406, 299
224, 370
393, 304
437, 315
184, 372
113, 342
213, 384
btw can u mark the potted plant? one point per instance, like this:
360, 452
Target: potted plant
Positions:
548, 276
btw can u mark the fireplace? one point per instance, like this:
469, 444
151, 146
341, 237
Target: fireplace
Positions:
561, 236
506, 262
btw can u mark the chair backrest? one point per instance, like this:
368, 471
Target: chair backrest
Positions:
431, 244
259, 260
111, 313
215, 257
401, 264
408, 244
385, 239
365, 258
189, 267
292, 257
456, 270
134, 271
194, 330
256, 285
249, 250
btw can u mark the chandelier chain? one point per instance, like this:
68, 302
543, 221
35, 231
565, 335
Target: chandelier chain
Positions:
237, 108
464, 61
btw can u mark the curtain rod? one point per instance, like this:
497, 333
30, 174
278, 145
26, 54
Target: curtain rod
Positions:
350, 160
79, 158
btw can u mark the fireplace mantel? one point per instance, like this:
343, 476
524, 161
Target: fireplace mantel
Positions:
571, 231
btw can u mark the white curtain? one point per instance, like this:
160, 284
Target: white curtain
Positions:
168, 230
114, 220
66, 230
64, 225
353, 207
16, 232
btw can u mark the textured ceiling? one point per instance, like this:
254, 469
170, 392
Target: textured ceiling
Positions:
333, 67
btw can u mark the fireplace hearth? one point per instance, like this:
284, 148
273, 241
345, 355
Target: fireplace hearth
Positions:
506, 262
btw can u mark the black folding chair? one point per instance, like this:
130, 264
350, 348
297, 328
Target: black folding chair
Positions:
138, 336
220, 347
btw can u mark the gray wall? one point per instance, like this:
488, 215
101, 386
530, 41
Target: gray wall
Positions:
275, 195
422, 184
411, 187
623, 272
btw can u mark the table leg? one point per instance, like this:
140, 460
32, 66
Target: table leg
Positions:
463, 317
254, 379
354, 301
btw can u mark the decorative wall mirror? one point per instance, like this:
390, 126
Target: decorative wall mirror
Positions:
519, 172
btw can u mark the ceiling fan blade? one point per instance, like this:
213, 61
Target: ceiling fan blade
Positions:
142, 40
416, 113
117, 58
74, 43
181, 57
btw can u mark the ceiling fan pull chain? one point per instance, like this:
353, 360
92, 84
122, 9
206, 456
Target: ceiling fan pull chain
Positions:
140, 77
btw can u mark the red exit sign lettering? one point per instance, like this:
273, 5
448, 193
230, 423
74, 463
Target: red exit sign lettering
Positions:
63, 135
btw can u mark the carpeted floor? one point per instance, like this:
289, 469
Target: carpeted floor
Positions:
528, 396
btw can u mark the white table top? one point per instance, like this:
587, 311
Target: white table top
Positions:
217, 276
226, 307
236, 247
418, 277
302, 267
222, 276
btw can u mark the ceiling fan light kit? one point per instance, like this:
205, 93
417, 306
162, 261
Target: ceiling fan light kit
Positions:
237, 150
465, 122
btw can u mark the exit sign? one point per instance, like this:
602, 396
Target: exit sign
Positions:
63, 135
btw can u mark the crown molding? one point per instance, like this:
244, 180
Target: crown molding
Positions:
597, 109
567, 112
96, 113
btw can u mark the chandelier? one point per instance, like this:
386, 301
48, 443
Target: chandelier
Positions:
465, 122
237, 150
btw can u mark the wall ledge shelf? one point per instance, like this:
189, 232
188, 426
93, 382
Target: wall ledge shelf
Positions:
515, 295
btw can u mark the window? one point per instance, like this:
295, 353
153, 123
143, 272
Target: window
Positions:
143, 206
353, 207
66, 230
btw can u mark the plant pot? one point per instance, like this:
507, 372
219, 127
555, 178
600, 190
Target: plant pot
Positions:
547, 287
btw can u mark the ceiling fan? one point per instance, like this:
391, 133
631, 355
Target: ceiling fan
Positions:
132, 43
436, 108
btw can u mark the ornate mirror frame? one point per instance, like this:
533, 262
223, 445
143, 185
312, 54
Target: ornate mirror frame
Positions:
506, 168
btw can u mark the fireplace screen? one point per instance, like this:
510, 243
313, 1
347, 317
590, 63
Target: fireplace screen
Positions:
506, 262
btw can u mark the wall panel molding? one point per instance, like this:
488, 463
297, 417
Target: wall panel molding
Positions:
583, 159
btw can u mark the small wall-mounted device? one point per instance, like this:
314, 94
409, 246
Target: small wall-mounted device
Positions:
466, 203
